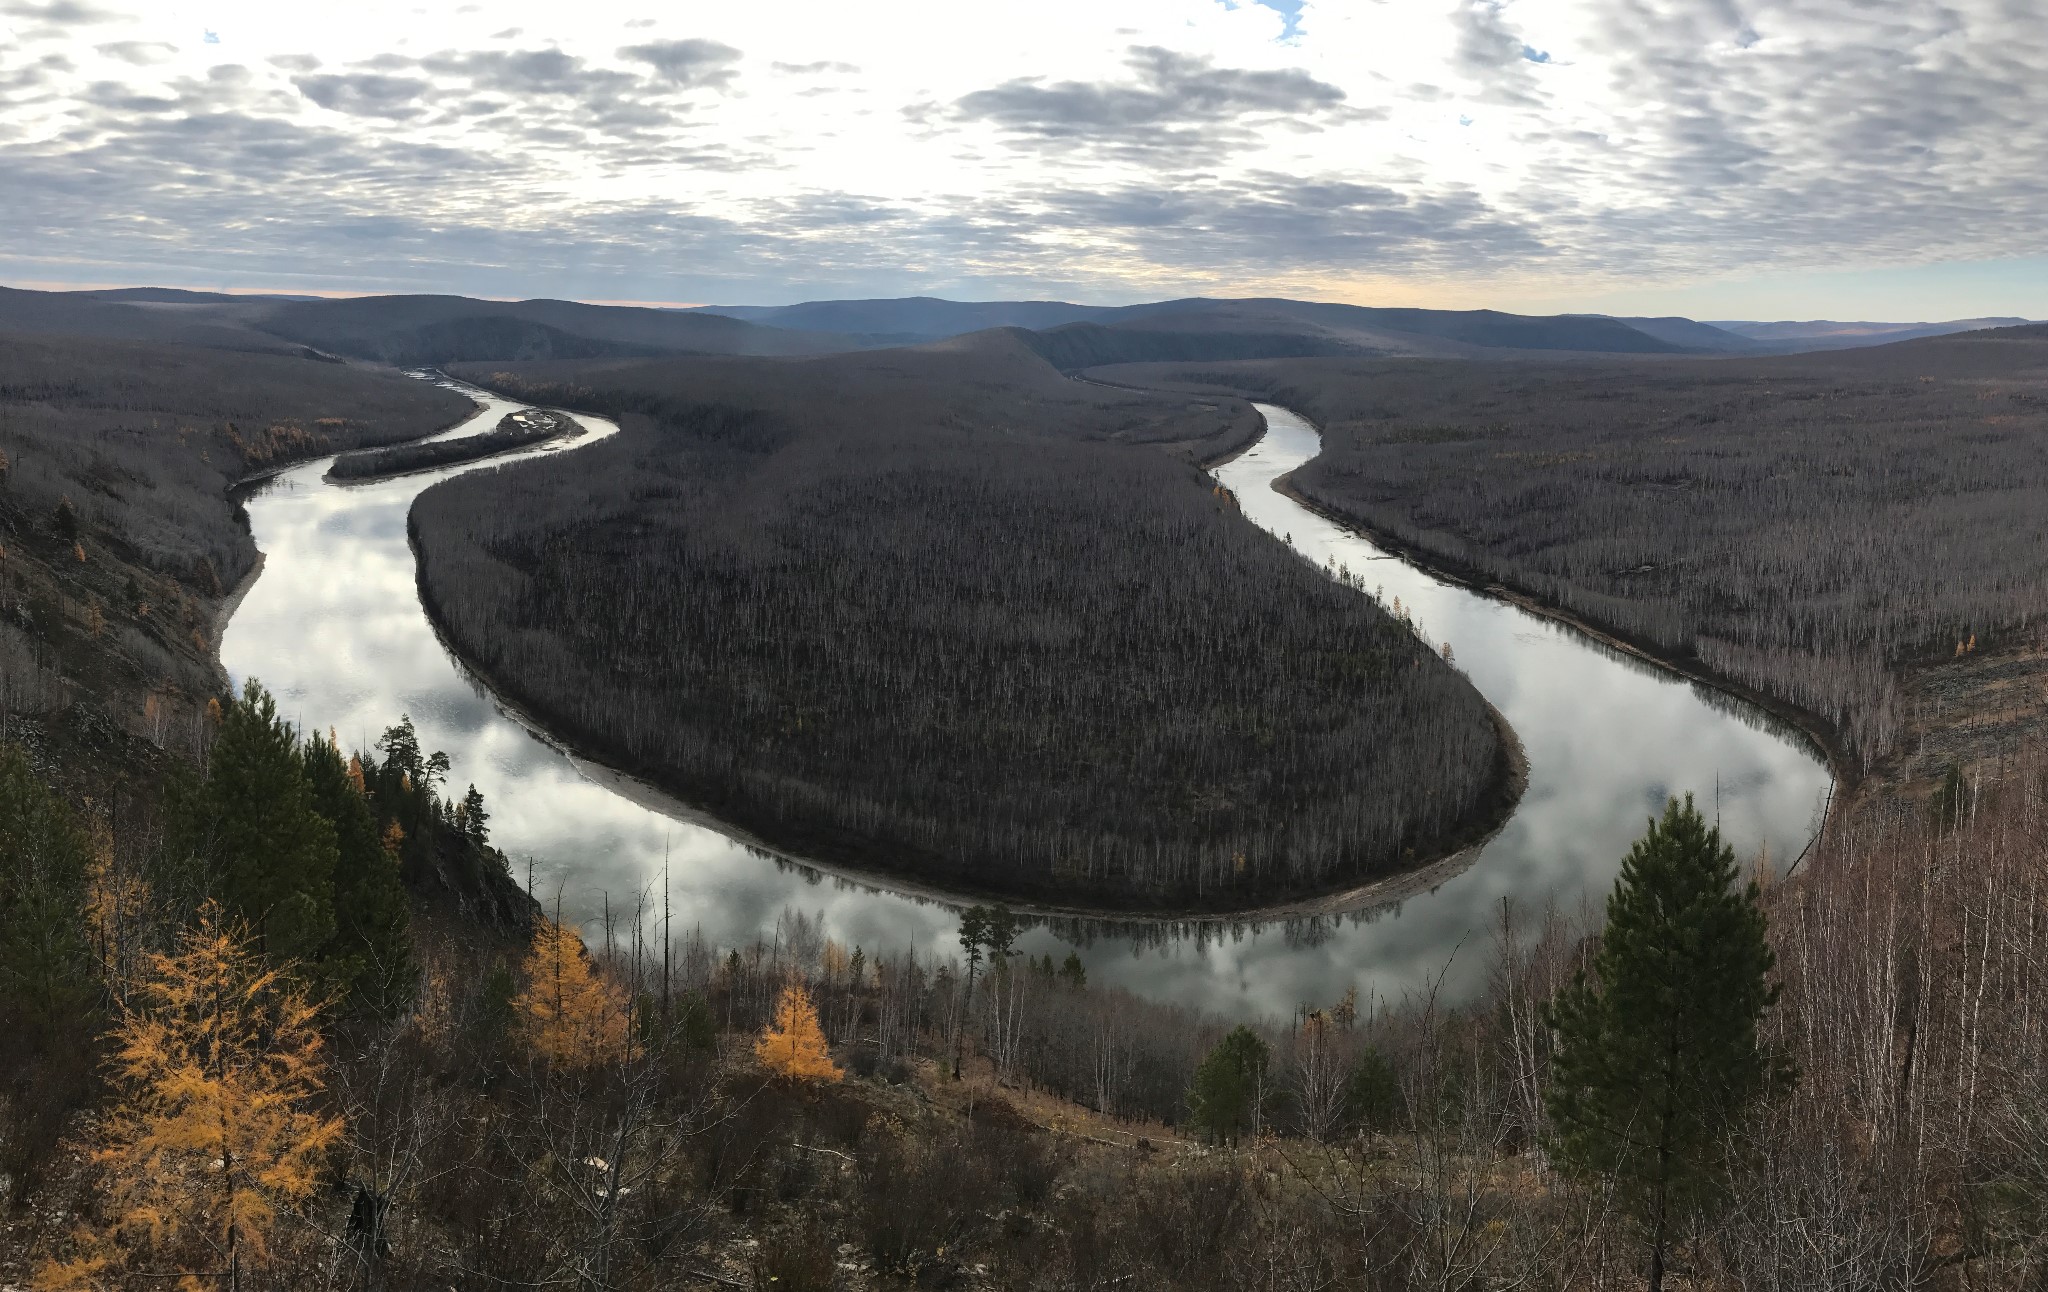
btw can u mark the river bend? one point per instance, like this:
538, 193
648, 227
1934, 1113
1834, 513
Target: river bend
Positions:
334, 628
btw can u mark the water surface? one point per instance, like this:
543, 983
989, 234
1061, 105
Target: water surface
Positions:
334, 628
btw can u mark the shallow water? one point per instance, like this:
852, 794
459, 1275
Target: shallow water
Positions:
334, 628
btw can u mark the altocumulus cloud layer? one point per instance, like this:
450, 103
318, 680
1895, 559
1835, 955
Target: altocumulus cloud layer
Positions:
1106, 148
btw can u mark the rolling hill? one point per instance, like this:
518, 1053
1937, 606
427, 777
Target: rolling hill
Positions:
402, 330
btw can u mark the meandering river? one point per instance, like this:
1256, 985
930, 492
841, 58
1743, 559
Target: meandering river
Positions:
333, 626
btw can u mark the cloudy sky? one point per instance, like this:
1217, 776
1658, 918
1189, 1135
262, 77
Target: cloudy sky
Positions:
1720, 158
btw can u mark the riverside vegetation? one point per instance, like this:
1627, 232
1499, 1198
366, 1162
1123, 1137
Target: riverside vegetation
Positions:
431, 1095
942, 613
1821, 528
118, 539
1853, 1097
519, 430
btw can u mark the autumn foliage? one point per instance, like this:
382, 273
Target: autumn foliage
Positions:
794, 1045
571, 1017
217, 1059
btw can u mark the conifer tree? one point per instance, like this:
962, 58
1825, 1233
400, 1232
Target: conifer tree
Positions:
1658, 1054
1072, 972
569, 1015
794, 1045
475, 820
1230, 1086
46, 980
269, 853
217, 1061
370, 955
1372, 1094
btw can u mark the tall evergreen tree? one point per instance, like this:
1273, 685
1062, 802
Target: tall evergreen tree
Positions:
1658, 1055
475, 820
1230, 1086
46, 979
370, 955
269, 852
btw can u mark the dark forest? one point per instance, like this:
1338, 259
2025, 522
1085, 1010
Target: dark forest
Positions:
835, 600
1806, 525
118, 538
520, 430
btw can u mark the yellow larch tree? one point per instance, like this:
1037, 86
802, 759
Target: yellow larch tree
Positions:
217, 1061
794, 1045
569, 1015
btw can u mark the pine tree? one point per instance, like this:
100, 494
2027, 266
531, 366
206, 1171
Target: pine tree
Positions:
46, 980
1372, 1095
569, 1015
217, 1061
1229, 1092
1072, 972
1658, 1056
370, 957
49, 992
985, 931
794, 1045
268, 852
475, 820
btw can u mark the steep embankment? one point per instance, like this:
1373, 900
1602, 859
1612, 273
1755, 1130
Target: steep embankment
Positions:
119, 542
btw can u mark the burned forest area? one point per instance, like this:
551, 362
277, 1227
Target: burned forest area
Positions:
119, 540
949, 614
944, 614
1850, 533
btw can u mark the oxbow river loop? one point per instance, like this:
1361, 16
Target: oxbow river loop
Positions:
334, 627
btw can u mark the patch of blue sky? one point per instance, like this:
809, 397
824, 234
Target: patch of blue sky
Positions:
1289, 11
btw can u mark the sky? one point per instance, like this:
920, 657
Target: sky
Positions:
1879, 159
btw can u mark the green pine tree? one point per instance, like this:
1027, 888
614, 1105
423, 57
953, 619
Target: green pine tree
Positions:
1658, 1056
475, 820
269, 853
1230, 1086
46, 979
369, 958
1072, 972
1372, 1095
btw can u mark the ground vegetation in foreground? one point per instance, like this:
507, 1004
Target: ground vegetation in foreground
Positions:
626, 1107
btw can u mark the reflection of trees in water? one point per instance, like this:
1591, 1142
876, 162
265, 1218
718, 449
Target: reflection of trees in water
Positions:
826, 606
1805, 525
1298, 932
1753, 716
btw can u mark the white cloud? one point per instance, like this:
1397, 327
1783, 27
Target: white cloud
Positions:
1116, 148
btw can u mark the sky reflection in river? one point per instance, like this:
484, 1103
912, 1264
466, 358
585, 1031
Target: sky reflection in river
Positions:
333, 627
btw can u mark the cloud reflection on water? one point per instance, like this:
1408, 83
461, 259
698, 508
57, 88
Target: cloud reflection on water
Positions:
335, 629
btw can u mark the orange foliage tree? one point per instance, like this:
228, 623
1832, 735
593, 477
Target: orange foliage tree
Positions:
794, 1045
571, 1016
217, 1062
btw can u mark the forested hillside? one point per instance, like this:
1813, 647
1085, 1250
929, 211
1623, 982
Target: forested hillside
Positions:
118, 541
633, 1108
932, 612
1809, 526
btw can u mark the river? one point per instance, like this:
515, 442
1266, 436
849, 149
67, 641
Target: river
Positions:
334, 628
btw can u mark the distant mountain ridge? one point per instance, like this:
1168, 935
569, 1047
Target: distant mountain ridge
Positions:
1265, 327
916, 318
401, 330
1324, 327
1827, 334
410, 330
